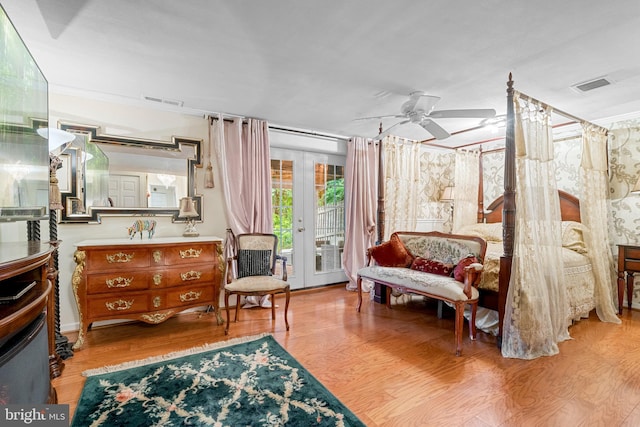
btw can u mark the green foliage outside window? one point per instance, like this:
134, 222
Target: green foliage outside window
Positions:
282, 201
334, 192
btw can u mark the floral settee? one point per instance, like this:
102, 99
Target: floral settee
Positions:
437, 265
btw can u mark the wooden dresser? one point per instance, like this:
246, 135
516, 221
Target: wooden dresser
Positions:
148, 280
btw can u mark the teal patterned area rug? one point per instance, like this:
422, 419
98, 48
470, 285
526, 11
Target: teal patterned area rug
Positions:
243, 382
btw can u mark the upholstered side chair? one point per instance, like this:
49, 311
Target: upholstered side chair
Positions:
251, 271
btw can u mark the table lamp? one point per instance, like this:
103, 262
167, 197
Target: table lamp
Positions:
188, 211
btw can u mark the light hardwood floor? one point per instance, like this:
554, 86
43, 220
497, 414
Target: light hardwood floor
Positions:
397, 367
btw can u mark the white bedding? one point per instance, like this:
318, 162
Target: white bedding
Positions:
578, 272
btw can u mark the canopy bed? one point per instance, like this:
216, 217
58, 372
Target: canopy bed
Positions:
556, 265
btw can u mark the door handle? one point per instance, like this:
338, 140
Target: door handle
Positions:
301, 229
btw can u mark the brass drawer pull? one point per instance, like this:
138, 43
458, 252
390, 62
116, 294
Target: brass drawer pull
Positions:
119, 305
119, 257
157, 256
190, 253
119, 282
190, 275
157, 301
157, 279
156, 317
190, 296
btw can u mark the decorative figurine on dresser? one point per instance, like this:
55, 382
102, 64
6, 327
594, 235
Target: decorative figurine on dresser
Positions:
148, 280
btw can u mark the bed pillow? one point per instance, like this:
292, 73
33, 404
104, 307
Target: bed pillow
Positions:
254, 262
458, 271
391, 253
431, 266
573, 236
491, 232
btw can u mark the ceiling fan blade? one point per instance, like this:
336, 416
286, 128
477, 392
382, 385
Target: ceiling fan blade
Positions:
388, 116
419, 101
434, 129
386, 132
484, 113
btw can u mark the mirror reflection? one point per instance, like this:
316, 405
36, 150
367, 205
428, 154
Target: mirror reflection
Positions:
114, 175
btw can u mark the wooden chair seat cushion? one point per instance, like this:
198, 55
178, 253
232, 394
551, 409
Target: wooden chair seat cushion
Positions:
256, 284
429, 283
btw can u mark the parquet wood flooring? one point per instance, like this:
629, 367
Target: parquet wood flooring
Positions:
398, 367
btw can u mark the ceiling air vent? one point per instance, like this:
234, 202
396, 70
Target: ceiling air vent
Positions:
164, 101
592, 84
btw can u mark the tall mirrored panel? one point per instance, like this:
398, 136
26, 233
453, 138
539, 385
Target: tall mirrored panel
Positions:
24, 154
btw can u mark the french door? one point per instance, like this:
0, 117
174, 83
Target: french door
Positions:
308, 215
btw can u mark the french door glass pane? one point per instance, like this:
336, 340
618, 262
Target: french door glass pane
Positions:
282, 205
329, 218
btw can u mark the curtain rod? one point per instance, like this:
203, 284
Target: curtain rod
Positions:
307, 132
562, 113
281, 128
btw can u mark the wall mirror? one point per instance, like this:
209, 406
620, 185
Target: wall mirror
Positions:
112, 175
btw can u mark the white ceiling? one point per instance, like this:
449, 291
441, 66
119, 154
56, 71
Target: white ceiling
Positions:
318, 65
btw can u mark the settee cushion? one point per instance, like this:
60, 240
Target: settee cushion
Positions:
434, 284
391, 253
458, 271
431, 266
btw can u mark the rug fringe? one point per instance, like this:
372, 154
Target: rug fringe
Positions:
173, 355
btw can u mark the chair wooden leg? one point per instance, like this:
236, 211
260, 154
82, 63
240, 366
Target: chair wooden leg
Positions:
459, 325
359, 284
472, 320
226, 306
273, 306
286, 306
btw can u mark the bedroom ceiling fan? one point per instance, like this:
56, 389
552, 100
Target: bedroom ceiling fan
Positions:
419, 109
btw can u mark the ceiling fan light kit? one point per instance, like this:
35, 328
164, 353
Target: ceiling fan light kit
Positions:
419, 109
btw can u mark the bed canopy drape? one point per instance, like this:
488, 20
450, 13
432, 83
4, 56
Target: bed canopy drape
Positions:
524, 158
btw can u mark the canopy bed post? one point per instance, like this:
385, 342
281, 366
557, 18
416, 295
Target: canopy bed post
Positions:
380, 294
380, 189
480, 213
508, 208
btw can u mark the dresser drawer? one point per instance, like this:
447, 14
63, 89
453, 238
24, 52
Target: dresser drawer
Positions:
189, 274
632, 264
632, 253
117, 259
117, 282
189, 295
190, 254
120, 305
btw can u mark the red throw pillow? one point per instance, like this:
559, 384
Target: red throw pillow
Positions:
391, 253
431, 266
458, 271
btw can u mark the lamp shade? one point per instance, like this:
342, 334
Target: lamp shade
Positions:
447, 194
187, 208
